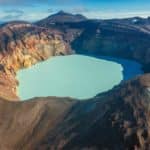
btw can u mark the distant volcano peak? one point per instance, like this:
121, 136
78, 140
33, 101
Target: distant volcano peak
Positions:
63, 17
62, 12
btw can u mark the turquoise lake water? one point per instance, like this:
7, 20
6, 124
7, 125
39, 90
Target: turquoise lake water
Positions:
74, 76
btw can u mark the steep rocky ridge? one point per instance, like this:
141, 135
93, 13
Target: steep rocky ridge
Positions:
115, 120
140, 23
23, 44
111, 39
126, 38
62, 17
68, 24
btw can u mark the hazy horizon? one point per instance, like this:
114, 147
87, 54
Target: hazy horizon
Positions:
32, 10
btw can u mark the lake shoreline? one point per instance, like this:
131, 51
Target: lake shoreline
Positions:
98, 58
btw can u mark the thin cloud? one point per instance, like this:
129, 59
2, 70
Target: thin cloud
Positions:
10, 17
11, 14
80, 10
114, 14
50, 10
36, 14
33, 2
16, 11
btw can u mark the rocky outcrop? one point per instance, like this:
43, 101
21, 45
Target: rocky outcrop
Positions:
23, 44
112, 39
62, 17
19, 120
114, 120
118, 119
140, 23
66, 23
127, 38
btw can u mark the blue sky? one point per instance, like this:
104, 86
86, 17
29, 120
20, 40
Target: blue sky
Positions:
32, 10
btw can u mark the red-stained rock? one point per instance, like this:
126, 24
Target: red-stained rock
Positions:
24, 44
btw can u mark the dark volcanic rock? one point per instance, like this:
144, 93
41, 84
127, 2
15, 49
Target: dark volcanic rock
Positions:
126, 38
23, 125
62, 17
115, 120
112, 39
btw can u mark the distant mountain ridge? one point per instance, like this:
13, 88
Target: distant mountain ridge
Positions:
127, 37
63, 17
3, 24
115, 120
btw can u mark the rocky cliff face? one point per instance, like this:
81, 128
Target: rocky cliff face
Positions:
62, 17
118, 119
114, 120
22, 45
114, 39
126, 38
